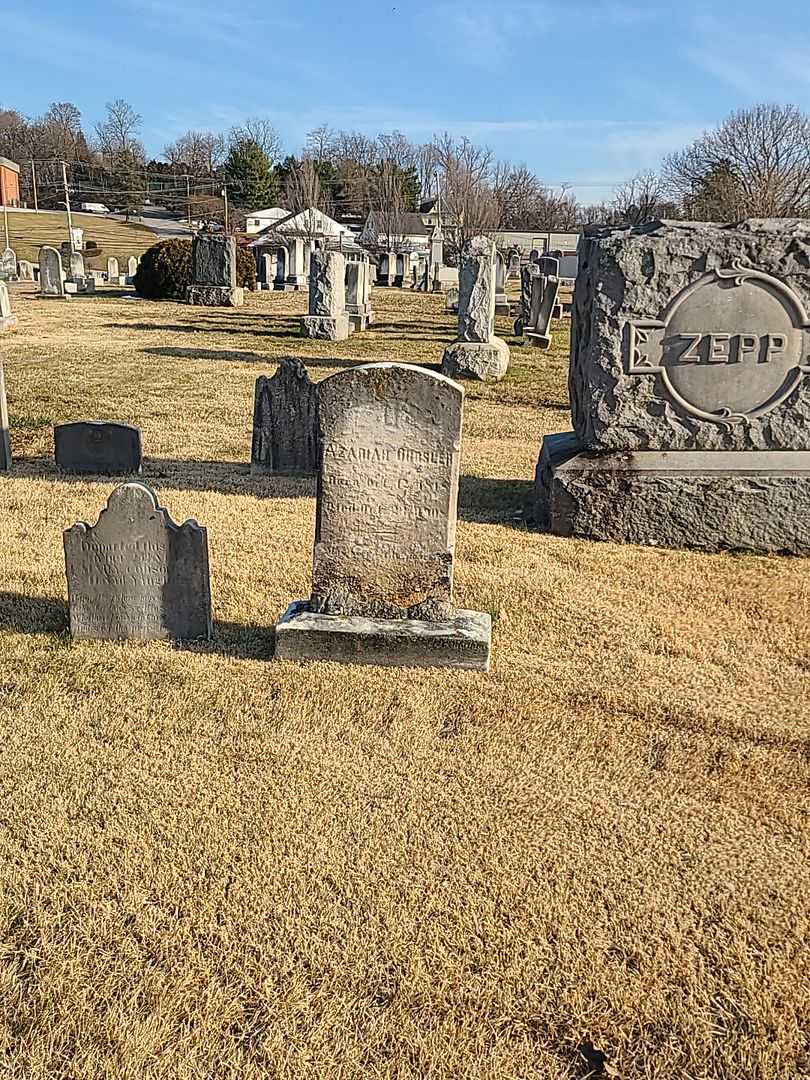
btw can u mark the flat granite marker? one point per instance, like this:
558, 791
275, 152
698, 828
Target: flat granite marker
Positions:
135, 575
690, 395
382, 575
213, 272
285, 422
477, 353
97, 447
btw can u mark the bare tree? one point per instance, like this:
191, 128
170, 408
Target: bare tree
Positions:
200, 153
755, 164
319, 143
388, 209
463, 179
306, 197
260, 131
117, 136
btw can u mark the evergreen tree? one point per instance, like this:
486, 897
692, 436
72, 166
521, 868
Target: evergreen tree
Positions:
251, 181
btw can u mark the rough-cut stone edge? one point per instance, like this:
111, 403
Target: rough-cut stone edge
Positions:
215, 296
487, 361
675, 499
326, 327
463, 642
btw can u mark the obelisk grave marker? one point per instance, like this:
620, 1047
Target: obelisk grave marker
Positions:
690, 390
382, 577
137, 575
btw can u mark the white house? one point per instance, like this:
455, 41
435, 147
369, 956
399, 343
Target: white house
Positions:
260, 220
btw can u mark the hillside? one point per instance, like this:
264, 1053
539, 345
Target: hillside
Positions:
28, 232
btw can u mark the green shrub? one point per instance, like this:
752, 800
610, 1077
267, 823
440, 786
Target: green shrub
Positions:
165, 270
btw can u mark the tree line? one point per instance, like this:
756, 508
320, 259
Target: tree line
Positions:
756, 163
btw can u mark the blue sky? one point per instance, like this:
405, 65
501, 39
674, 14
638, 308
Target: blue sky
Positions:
586, 92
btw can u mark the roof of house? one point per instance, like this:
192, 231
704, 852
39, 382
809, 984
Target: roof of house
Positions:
409, 224
292, 225
275, 213
7, 163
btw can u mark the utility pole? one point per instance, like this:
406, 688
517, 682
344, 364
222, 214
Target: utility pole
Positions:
67, 205
188, 200
34, 185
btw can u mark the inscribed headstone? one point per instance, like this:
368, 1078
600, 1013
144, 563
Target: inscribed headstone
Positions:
98, 447
285, 421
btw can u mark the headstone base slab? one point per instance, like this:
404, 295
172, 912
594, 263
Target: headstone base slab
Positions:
539, 341
325, 327
487, 361
503, 308
358, 322
463, 642
713, 500
215, 296
7, 321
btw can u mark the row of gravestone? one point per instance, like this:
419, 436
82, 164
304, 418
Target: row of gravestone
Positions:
339, 297
53, 282
382, 578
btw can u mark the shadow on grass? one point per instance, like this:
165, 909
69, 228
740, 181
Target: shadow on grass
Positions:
32, 614
496, 502
225, 477
47, 615
175, 352
481, 499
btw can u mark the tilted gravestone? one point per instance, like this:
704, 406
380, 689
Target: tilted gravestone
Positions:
327, 318
690, 390
98, 447
135, 575
545, 290
213, 272
8, 264
285, 422
51, 280
477, 353
385, 531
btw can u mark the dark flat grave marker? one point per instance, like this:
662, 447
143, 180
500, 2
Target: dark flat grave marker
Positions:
98, 447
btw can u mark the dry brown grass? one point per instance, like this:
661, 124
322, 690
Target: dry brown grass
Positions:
212, 865
28, 232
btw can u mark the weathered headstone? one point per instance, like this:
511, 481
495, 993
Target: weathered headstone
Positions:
135, 575
385, 527
113, 273
77, 271
501, 301
514, 265
26, 270
477, 353
358, 307
132, 267
690, 390
51, 281
285, 422
451, 304
7, 320
213, 272
327, 316
8, 264
527, 275
98, 447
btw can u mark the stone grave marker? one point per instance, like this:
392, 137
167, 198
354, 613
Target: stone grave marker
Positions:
132, 268
5, 440
7, 320
358, 306
8, 264
327, 318
501, 301
477, 353
286, 438
135, 575
213, 270
26, 270
51, 280
113, 272
98, 447
545, 290
690, 390
77, 271
385, 531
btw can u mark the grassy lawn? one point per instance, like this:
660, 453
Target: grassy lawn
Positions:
28, 232
215, 865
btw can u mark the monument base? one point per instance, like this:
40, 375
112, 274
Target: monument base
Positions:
485, 360
325, 327
215, 296
539, 341
358, 322
715, 500
462, 642
502, 307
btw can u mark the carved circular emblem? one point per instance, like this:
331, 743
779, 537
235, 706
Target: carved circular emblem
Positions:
729, 348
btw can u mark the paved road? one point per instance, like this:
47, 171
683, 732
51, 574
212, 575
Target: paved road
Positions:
160, 221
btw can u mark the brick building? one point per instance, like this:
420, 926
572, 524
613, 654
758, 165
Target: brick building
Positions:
9, 183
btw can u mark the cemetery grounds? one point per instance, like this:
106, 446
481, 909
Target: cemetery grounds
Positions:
592, 861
